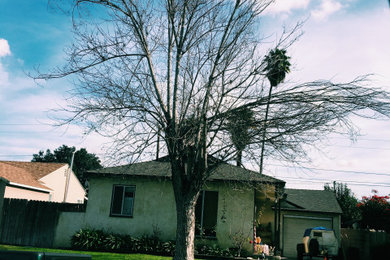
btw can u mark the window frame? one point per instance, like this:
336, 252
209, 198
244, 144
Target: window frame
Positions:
121, 215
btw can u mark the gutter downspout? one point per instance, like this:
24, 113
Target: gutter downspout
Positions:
279, 195
254, 220
158, 144
68, 177
275, 222
279, 208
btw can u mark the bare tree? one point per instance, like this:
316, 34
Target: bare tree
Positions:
180, 69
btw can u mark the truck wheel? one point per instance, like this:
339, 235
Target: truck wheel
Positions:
300, 251
314, 247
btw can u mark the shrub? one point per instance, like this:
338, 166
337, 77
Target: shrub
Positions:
150, 244
375, 212
98, 240
89, 239
168, 248
114, 242
215, 250
206, 250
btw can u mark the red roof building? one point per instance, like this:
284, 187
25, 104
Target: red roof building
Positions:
41, 181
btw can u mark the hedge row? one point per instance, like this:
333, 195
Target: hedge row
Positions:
99, 240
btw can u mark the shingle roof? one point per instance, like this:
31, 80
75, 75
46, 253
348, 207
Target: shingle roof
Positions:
37, 169
224, 172
27, 173
311, 200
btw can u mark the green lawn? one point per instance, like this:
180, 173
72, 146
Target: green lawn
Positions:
95, 255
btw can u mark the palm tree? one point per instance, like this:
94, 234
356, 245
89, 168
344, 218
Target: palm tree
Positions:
277, 66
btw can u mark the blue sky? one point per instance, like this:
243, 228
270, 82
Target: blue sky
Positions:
342, 39
35, 32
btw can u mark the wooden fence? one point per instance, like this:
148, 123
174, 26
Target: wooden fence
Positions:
362, 244
32, 223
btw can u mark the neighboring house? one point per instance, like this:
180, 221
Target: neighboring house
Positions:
303, 209
41, 181
138, 200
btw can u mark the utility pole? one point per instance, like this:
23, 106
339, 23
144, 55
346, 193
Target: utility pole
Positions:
68, 177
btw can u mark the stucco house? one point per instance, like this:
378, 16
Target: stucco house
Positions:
41, 181
303, 209
138, 200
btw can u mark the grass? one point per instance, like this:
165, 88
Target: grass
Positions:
95, 255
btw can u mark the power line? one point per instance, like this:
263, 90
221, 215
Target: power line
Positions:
279, 165
333, 170
358, 138
349, 184
361, 147
292, 179
330, 137
359, 183
25, 132
341, 146
11, 155
15, 155
21, 124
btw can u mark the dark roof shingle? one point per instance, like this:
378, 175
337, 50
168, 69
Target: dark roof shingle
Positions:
224, 172
311, 200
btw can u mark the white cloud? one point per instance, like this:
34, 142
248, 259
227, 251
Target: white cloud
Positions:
3, 78
327, 8
341, 49
26, 107
4, 48
4, 51
285, 6
344, 48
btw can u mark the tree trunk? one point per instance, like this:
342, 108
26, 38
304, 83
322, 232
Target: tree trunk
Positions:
239, 158
185, 232
265, 130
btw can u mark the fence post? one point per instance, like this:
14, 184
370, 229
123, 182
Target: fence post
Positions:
3, 183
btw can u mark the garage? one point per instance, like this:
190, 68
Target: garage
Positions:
302, 209
294, 227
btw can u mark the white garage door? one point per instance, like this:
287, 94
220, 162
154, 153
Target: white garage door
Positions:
293, 229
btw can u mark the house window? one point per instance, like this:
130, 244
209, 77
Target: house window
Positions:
122, 203
206, 214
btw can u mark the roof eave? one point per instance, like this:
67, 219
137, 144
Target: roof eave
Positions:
105, 174
28, 187
308, 210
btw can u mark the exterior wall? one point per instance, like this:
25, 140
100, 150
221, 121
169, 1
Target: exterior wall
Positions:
57, 181
20, 193
76, 192
336, 221
154, 209
68, 224
235, 213
265, 216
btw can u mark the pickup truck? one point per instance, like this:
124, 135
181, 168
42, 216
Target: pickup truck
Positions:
318, 242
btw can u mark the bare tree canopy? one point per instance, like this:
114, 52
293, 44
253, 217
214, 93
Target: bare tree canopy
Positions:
182, 70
